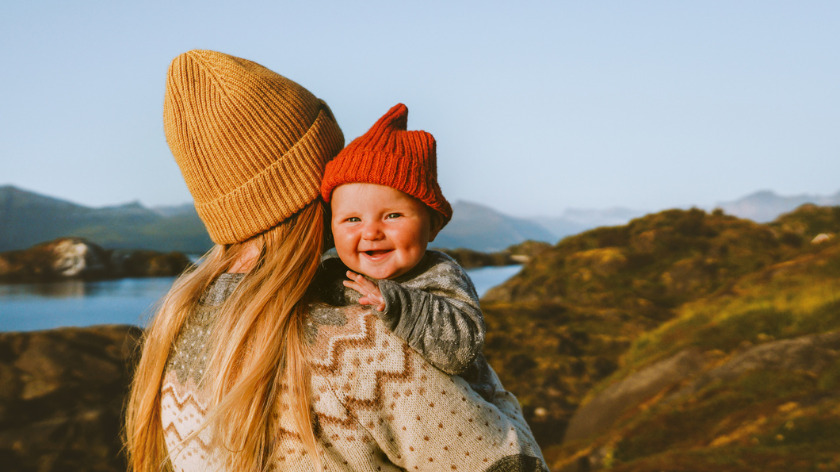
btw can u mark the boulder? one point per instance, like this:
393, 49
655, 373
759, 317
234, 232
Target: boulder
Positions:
597, 415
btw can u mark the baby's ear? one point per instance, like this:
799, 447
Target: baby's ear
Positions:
435, 224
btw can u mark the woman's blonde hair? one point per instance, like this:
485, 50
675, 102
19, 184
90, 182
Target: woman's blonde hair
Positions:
258, 350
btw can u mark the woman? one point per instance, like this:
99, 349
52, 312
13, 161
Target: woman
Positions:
242, 369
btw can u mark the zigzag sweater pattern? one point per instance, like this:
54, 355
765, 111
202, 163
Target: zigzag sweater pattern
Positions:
378, 405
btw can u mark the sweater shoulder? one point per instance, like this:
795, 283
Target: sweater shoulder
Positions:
437, 258
441, 274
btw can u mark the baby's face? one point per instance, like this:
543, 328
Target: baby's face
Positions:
379, 231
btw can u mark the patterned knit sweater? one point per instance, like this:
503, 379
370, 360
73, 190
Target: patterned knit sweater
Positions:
378, 405
434, 307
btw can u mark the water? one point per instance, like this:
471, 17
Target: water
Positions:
486, 278
27, 307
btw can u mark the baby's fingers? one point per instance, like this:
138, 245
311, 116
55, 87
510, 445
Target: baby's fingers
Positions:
362, 282
368, 291
353, 285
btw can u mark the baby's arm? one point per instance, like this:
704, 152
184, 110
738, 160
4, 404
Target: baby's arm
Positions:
437, 313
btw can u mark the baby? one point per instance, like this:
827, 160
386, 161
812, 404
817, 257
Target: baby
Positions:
386, 207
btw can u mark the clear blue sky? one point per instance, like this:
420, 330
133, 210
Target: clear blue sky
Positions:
537, 106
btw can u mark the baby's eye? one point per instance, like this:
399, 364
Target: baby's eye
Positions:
393, 215
353, 219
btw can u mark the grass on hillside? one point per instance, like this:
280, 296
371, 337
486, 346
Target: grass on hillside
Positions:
793, 298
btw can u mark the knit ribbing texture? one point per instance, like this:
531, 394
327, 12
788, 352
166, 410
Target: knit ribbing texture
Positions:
390, 155
250, 143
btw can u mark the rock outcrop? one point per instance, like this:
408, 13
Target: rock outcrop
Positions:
61, 397
516, 254
67, 258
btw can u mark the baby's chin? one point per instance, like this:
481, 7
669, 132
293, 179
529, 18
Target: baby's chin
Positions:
383, 273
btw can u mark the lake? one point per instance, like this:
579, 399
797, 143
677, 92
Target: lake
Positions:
28, 307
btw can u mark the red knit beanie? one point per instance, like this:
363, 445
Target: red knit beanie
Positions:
389, 155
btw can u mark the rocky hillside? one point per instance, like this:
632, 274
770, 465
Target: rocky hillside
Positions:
61, 398
75, 258
682, 341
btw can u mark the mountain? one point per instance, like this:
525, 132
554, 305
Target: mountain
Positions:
683, 340
481, 228
765, 206
27, 218
185, 209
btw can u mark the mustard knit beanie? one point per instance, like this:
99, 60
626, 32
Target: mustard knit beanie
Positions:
251, 144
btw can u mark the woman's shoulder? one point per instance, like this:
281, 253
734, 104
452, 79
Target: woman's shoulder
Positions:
344, 338
354, 355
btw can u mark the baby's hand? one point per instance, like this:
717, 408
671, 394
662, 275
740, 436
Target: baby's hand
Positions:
370, 292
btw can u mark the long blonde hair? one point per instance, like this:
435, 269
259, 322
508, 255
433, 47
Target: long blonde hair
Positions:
258, 352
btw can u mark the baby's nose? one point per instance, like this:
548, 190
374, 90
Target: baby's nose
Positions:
372, 231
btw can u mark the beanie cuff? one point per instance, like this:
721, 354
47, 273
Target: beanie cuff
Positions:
257, 206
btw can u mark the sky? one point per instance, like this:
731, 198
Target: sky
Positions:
537, 106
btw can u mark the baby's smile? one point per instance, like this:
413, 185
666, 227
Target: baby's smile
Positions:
378, 252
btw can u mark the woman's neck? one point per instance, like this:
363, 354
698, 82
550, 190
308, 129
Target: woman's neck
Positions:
248, 257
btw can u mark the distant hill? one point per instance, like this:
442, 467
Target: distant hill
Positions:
28, 218
762, 207
765, 206
683, 340
481, 228
578, 220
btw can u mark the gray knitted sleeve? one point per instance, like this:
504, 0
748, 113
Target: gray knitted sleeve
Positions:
437, 313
